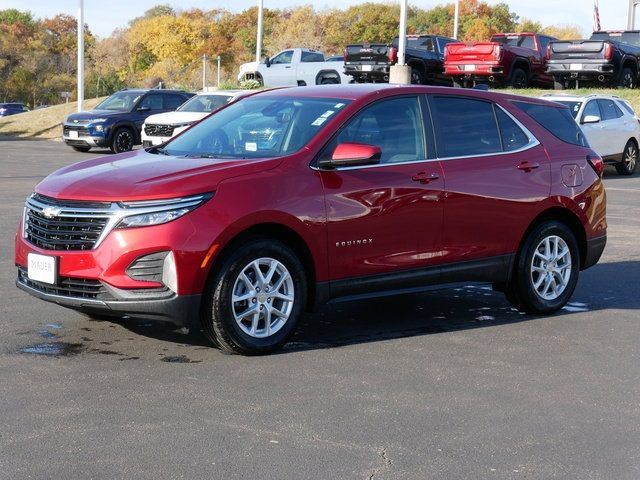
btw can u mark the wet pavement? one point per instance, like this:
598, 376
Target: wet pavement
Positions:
447, 384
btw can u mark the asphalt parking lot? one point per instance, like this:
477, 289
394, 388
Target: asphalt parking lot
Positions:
451, 384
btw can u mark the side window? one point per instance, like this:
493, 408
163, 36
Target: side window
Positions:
544, 43
527, 42
311, 57
427, 45
591, 109
172, 101
154, 102
464, 126
609, 110
395, 126
283, 57
512, 135
557, 121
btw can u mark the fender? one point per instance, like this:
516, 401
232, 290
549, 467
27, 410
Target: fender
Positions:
125, 123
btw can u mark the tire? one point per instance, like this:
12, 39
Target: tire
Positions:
80, 149
518, 79
531, 268
416, 77
558, 85
329, 81
629, 159
627, 79
457, 83
227, 322
122, 140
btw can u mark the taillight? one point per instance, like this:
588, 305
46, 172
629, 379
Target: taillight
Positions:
596, 163
608, 51
344, 55
393, 54
497, 51
547, 53
446, 52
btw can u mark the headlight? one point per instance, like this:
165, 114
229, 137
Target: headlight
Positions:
157, 212
98, 120
99, 128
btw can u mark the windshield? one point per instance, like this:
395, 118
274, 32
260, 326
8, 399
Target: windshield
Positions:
257, 127
204, 103
574, 107
120, 101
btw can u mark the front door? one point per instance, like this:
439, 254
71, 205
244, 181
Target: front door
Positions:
384, 217
280, 73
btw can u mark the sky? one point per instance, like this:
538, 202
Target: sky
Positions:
105, 16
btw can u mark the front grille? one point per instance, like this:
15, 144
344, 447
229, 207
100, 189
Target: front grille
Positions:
78, 128
64, 225
68, 287
158, 130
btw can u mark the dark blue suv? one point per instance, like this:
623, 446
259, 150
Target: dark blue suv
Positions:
116, 122
7, 109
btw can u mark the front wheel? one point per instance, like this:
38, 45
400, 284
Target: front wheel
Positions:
122, 140
254, 301
546, 270
629, 159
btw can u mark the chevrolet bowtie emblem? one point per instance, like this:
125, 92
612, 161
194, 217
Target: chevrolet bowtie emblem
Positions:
50, 212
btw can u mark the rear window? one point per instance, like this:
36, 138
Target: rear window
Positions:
574, 107
632, 38
524, 41
558, 121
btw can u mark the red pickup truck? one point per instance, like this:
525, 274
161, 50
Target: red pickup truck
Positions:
508, 59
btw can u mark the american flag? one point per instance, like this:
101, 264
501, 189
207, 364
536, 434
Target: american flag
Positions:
596, 17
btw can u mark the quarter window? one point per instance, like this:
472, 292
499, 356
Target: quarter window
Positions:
513, 138
464, 127
395, 126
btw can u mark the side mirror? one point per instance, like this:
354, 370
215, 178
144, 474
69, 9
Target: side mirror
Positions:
143, 109
591, 119
351, 155
267, 62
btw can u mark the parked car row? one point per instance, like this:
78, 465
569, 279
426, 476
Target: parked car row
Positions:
7, 109
289, 198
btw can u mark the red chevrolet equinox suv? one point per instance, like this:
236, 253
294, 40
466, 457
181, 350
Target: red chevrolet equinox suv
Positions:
294, 197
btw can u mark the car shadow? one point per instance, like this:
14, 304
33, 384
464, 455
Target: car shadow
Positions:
338, 324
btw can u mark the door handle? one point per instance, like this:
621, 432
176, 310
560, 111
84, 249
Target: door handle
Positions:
424, 177
288, 67
527, 166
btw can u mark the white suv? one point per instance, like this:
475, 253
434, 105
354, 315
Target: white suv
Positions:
610, 125
159, 128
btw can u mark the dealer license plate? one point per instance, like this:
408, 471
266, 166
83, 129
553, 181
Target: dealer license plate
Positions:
73, 134
468, 68
366, 68
575, 66
41, 268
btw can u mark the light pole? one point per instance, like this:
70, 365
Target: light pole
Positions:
204, 73
80, 54
456, 14
218, 71
401, 73
259, 33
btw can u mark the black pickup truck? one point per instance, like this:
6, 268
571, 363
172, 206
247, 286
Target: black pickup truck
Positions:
369, 63
608, 58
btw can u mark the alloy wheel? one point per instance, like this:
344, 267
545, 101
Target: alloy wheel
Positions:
551, 267
262, 297
124, 141
630, 157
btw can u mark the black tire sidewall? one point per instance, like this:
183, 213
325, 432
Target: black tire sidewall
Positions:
415, 73
218, 320
526, 295
622, 83
621, 167
516, 73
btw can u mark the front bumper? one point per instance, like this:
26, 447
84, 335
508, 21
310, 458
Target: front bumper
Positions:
85, 141
161, 305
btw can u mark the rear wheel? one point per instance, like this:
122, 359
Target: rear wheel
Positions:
558, 84
122, 140
254, 301
519, 79
80, 149
546, 270
416, 77
629, 159
329, 81
627, 79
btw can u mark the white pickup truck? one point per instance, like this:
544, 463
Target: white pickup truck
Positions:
295, 67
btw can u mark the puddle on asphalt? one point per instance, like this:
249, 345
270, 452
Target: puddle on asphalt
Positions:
179, 359
54, 349
47, 334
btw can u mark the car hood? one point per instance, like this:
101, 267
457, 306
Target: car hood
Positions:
175, 118
140, 175
93, 114
249, 67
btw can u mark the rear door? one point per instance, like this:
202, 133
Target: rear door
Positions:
617, 130
596, 133
496, 174
385, 217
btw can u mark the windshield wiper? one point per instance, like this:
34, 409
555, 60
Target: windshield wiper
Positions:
210, 155
159, 150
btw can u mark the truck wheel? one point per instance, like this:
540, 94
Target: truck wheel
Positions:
253, 302
627, 79
629, 159
558, 84
122, 140
518, 79
416, 77
458, 83
329, 81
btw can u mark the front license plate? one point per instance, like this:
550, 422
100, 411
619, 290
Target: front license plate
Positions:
73, 134
468, 68
575, 66
366, 68
41, 268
